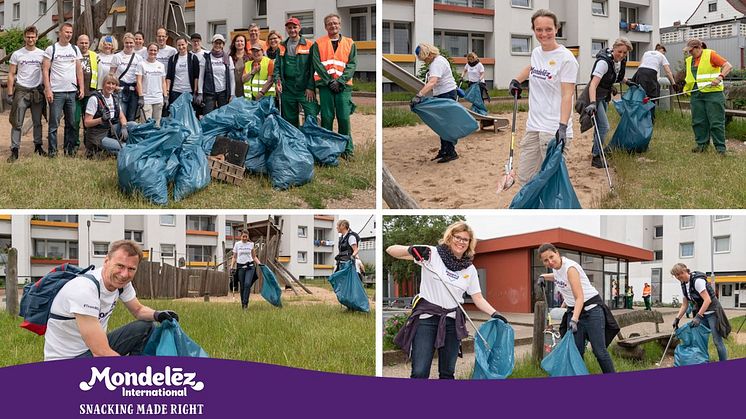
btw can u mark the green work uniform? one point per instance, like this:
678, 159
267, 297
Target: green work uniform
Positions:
340, 104
295, 75
708, 119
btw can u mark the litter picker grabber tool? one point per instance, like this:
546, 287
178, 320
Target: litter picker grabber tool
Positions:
680, 93
658, 364
739, 327
437, 275
603, 153
509, 178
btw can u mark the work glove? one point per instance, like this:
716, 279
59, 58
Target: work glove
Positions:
541, 281
676, 323
561, 135
105, 117
590, 110
415, 101
161, 316
614, 91
197, 99
9, 99
332, 85
419, 253
630, 83
697, 320
497, 315
165, 101
573, 326
515, 88
124, 134
140, 101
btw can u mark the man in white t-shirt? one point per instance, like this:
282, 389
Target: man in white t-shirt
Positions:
63, 81
25, 91
80, 312
165, 51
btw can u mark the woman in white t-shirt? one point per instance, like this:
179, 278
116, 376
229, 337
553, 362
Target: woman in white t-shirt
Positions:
435, 309
647, 73
586, 313
244, 262
151, 85
441, 82
552, 75
106, 48
104, 121
124, 66
474, 73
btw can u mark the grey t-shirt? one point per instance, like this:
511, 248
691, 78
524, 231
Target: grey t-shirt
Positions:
291, 46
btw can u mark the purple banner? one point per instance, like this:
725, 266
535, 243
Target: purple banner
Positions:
191, 387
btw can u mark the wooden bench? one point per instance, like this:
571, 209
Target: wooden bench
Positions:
630, 346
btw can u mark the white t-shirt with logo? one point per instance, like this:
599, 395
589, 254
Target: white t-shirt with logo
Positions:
474, 73
80, 296
121, 61
463, 281
104, 66
243, 251
164, 54
143, 53
28, 67
653, 60
563, 284
63, 76
218, 74
549, 69
153, 75
441, 68
92, 106
181, 76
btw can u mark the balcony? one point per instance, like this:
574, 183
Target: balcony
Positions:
635, 27
37, 260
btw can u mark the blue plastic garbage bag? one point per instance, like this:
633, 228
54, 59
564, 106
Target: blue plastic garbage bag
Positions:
181, 111
349, 289
692, 349
238, 120
289, 162
271, 290
325, 146
474, 95
446, 117
635, 127
193, 171
256, 158
551, 187
146, 162
564, 360
498, 362
169, 339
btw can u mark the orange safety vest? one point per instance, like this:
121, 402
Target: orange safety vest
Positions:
335, 62
646, 291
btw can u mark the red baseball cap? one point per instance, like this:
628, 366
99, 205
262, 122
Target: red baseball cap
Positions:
293, 20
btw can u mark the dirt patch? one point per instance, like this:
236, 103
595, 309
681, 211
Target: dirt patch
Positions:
471, 181
319, 296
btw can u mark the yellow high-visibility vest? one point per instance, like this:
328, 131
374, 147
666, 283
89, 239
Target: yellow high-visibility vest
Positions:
255, 84
706, 73
94, 69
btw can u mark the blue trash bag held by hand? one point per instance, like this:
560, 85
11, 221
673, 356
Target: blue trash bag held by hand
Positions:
446, 117
551, 187
564, 360
474, 95
325, 146
635, 127
498, 362
349, 289
271, 290
168, 339
693, 348
289, 162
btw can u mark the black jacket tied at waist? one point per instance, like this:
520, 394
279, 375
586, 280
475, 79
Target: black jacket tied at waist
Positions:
611, 328
406, 334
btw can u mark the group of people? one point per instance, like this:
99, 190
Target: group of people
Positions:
109, 89
437, 323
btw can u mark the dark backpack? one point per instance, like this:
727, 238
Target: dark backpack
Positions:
37, 298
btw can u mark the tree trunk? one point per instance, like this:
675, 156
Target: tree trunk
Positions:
11, 282
94, 15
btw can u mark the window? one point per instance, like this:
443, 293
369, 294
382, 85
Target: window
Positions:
598, 8
464, 3
686, 250
168, 220
306, 22
100, 248
658, 255
722, 244
686, 221
302, 257
521, 3
42, 8
217, 27
360, 29
56, 218
55, 249
658, 232
261, 8
726, 290
319, 258
102, 218
628, 14
456, 44
561, 30
200, 222
199, 253
520, 44
302, 231
722, 217
477, 3
16, 11
597, 45
134, 235
168, 250
477, 44
397, 38
712, 7
191, 28
319, 234
634, 55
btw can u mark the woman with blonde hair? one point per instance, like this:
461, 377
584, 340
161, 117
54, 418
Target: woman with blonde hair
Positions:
124, 66
106, 49
436, 311
474, 73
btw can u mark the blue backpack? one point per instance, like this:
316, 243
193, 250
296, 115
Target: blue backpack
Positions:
37, 298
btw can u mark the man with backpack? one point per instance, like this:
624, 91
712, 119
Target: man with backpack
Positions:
80, 312
348, 244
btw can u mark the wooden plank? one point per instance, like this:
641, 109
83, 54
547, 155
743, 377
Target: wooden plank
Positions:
393, 194
11, 282
639, 340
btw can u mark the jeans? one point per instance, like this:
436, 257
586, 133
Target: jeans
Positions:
128, 102
602, 122
448, 148
591, 327
209, 101
533, 148
22, 101
63, 102
129, 339
246, 277
423, 349
711, 322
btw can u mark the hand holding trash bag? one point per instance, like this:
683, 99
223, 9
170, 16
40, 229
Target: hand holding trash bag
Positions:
140, 101
415, 101
697, 320
561, 135
124, 134
497, 315
419, 253
197, 99
573, 325
590, 110
162, 316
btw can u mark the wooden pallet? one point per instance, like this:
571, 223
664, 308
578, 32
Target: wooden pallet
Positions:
224, 171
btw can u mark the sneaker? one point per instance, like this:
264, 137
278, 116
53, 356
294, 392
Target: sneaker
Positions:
447, 158
598, 162
52, 154
13, 155
438, 156
699, 149
40, 151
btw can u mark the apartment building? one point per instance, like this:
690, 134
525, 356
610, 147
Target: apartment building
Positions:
307, 245
499, 31
226, 16
698, 241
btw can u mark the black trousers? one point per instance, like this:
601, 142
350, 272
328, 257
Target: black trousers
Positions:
129, 339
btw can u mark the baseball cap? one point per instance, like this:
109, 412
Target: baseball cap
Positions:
257, 46
196, 36
293, 20
218, 37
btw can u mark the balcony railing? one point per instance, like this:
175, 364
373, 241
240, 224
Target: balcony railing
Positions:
635, 27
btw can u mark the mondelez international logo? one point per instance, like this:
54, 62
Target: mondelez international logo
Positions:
174, 377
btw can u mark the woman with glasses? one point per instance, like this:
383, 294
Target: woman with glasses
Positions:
435, 311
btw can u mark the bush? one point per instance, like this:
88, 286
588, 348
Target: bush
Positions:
391, 328
12, 40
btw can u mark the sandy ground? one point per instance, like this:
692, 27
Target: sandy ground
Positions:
319, 296
475, 175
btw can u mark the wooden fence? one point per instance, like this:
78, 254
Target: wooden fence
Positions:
156, 280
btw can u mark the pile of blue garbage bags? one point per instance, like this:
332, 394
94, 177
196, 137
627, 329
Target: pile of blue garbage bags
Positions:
176, 153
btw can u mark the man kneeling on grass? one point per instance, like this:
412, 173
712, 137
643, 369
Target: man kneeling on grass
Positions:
80, 311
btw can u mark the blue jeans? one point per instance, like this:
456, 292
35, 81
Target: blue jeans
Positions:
711, 322
591, 327
129, 339
603, 127
128, 102
246, 277
448, 148
63, 102
423, 349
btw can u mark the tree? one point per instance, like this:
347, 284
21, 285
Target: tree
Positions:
409, 230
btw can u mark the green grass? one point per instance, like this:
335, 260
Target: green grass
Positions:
321, 337
397, 96
364, 86
366, 109
324, 283
503, 107
399, 117
36, 182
